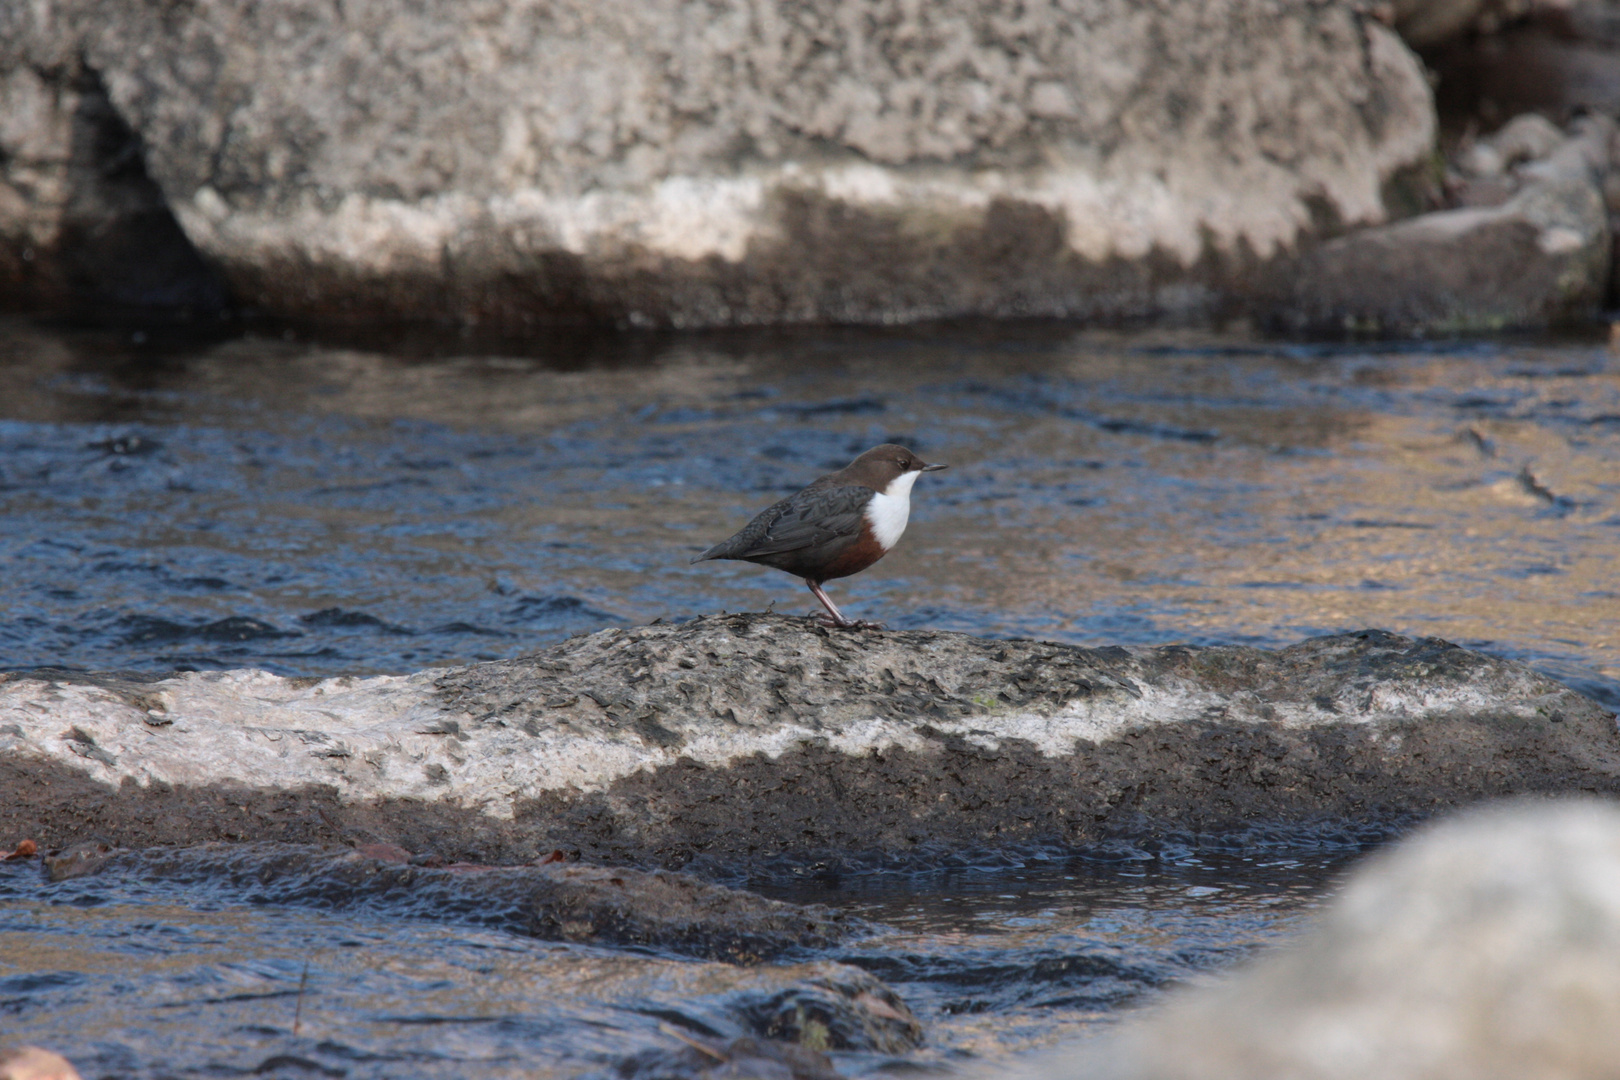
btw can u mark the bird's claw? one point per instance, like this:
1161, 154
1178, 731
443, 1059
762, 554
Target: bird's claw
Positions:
848, 624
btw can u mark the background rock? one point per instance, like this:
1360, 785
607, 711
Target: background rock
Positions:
1531, 246
512, 162
1561, 58
1487, 946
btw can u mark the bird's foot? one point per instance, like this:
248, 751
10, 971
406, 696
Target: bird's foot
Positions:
848, 624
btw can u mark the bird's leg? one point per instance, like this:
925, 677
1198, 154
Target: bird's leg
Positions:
834, 617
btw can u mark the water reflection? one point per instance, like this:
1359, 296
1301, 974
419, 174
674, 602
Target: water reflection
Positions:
315, 510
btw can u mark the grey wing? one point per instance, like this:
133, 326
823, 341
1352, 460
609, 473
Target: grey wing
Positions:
813, 518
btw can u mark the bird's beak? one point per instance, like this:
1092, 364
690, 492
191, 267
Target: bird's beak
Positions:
934, 468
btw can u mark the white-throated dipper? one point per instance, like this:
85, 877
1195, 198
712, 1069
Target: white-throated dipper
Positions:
838, 526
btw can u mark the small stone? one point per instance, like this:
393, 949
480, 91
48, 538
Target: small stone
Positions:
32, 1063
78, 860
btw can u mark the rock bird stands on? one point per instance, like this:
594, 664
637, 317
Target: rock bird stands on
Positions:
838, 526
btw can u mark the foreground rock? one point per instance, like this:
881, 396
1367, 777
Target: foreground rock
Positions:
1488, 946
557, 901
711, 164
750, 736
32, 1063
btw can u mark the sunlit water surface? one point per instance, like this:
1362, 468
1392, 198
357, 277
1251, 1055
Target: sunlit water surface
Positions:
320, 510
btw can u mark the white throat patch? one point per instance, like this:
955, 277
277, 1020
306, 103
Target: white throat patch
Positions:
889, 509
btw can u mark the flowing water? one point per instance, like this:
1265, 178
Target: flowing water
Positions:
314, 510
136, 979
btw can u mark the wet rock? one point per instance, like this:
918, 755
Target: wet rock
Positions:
33, 1063
78, 860
702, 164
746, 737
1486, 946
1529, 247
558, 901
703, 1059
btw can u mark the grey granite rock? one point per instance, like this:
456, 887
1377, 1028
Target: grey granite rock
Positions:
745, 737
1536, 254
514, 162
1487, 946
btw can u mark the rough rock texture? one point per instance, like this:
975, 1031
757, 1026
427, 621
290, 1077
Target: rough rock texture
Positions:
557, 901
514, 161
1533, 248
751, 736
1488, 946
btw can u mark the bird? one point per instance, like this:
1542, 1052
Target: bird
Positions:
838, 526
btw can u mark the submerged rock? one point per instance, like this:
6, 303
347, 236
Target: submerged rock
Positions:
747, 1057
1487, 946
745, 737
556, 901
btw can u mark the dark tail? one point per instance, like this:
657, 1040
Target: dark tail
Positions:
715, 552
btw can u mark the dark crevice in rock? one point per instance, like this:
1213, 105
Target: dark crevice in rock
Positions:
118, 249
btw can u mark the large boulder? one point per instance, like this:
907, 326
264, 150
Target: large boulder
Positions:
512, 161
746, 737
1486, 947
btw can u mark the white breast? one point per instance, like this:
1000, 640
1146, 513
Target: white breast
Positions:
889, 509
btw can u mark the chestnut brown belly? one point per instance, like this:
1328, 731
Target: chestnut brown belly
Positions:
862, 552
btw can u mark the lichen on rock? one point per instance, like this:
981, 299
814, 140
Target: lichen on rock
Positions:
749, 737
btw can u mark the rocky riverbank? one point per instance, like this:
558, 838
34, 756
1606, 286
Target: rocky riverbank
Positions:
749, 737
690, 165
